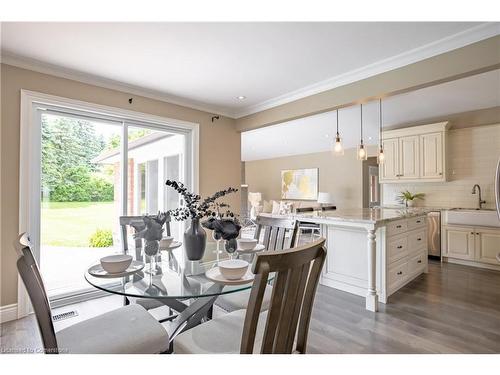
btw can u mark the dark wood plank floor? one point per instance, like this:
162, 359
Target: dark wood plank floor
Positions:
453, 309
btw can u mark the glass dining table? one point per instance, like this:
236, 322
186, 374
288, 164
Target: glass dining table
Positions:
176, 282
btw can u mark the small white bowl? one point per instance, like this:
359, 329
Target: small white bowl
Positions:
233, 269
247, 243
166, 241
116, 263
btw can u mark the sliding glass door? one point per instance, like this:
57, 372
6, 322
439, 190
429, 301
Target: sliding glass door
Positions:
92, 172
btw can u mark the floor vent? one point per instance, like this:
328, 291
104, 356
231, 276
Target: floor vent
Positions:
64, 315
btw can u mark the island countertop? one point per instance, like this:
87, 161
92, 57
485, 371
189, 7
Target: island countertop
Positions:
370, 216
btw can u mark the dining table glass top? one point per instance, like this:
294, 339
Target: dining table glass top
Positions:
174, 277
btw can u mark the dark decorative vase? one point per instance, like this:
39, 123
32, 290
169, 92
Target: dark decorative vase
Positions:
195, 239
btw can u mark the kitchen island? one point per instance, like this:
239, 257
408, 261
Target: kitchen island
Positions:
371, 252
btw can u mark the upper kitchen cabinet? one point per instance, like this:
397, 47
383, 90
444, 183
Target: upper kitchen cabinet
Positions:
415, 154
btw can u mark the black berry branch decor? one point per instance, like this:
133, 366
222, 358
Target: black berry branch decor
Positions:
196, 208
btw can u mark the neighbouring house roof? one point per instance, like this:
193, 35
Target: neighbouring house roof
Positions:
106, 155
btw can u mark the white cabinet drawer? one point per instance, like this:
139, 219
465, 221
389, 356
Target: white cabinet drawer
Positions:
396, 227
397, 248
416, 222
397, 274
417, 240
417, 263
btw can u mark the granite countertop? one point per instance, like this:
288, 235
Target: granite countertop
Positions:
358, 215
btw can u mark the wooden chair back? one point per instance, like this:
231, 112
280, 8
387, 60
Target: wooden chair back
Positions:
328, 208
32, 279
297, 273
137, 223
274, 231
304, 209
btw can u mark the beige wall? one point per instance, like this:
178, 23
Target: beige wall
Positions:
472, 159
338, 175
471, 59
219, 148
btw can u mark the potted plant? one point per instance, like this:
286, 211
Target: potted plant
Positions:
195, 237
408, 198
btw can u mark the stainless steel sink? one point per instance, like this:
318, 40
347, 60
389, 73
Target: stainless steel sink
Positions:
468, 216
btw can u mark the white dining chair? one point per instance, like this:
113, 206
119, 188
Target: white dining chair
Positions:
127, 330
283, 329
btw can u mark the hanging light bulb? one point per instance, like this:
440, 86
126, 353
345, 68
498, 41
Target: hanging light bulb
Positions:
362, 154
338, 150
381, 155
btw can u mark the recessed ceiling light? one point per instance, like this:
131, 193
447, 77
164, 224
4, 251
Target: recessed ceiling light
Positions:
241, 97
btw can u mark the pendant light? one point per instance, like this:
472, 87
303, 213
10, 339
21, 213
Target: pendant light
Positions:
362, 154
338, 150
381, 155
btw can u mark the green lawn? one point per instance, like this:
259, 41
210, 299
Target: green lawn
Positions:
72, 223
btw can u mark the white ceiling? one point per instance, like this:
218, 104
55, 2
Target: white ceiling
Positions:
315, 133
207, 65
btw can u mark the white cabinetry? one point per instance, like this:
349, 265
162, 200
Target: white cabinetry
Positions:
459, 242
415, 154
390, 167
471, 243
401, 256
409, 161
431, 156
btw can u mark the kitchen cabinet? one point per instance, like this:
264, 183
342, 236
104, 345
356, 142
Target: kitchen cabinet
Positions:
390, 167
415, 154
431, 156
459, 242
409, 162
471, 243
487, 245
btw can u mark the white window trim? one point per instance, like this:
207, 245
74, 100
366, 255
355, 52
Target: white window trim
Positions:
29, 163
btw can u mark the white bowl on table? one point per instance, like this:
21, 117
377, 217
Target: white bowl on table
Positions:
166, 241
233, 269
246, 243
116, 263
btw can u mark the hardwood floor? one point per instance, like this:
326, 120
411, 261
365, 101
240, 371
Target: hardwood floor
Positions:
453, 309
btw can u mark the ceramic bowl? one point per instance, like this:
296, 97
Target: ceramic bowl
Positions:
166, 241
233, 269
246, 243
116, 263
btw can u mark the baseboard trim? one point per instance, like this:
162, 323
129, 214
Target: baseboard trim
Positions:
8, 313
471, 263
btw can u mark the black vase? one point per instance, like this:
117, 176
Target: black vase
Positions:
195, 239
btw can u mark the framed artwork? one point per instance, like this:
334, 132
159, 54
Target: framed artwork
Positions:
299, 184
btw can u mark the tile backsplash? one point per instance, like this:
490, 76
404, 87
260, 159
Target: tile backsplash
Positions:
472, 158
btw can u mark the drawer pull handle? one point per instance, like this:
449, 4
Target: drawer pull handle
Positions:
471, 232
419, 239
400, 272
419, 261
398, 226
418, 221
400, 247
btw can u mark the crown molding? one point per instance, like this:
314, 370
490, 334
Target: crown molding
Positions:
9, 58
462, 39
455, 41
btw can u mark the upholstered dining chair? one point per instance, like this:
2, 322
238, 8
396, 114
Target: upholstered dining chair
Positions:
283, 329
129, 329
277, 234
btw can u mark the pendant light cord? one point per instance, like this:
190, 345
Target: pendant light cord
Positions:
380, 127
337, 122
361, 106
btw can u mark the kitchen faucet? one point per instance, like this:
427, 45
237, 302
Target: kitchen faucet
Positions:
480, 201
